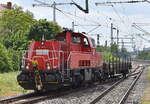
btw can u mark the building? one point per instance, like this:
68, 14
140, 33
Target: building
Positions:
6, 6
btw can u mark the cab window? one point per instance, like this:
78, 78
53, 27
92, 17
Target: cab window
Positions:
85, 42
75, 39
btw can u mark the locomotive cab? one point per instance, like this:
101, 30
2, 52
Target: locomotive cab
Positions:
77, 42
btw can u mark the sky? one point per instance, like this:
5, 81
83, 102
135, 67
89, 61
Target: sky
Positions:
98, 20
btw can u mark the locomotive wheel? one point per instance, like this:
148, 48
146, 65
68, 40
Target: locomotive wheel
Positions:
76, 81
50, 78
40, 91
93, 77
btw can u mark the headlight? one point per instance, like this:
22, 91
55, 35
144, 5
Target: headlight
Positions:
48, 66
22, 66
27, 66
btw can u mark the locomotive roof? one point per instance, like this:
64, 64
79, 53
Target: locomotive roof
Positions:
74, 34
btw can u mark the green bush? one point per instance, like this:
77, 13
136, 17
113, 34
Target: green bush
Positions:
16, 58
5, 59
145, 55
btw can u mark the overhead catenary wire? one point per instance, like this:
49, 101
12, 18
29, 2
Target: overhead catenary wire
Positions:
72, 19
106, 26
123, 8
98, 12
102, 14
110, 3
143, 37
64, 12
93, 29
82, 25
140, 29
95, 22
81, 18
119, 17
120, 2
97, 26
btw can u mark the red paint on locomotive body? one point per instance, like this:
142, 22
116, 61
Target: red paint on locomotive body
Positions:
68, 50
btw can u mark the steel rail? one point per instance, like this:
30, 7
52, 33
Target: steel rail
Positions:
106, 91
37, 97
122, 101
52, 96
17, 97
111, 88
34, 97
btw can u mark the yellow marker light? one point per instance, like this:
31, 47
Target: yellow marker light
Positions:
34, 62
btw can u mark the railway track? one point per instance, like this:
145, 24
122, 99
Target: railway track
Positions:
111, 91
16, 98
33, 97
122, 101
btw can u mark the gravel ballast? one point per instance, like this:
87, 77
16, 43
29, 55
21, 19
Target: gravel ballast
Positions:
136, 94
81, 97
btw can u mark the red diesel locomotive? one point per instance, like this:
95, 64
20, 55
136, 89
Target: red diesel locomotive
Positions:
69, 59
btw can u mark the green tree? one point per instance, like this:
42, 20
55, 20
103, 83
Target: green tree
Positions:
17, 29
14, 25
114, 49
106, 52
145, 55
43, 28
5, 60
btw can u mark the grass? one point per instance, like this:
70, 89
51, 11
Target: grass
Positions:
9, 85
146, 97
